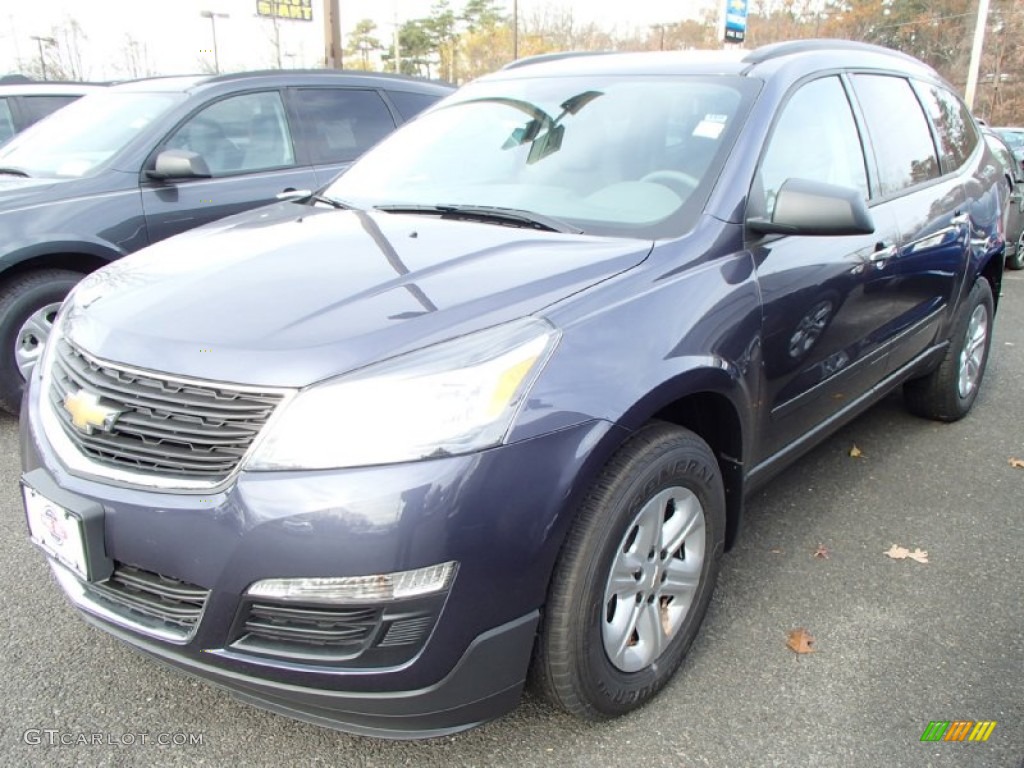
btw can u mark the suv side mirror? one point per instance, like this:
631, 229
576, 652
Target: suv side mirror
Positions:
179, 164
804, 207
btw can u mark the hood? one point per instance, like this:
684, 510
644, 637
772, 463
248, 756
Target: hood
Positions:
16, 191
289, 295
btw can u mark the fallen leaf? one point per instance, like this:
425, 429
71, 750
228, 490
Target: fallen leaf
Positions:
856, 452
897, 552
918, 554
821, 552
1017, 463
800, 641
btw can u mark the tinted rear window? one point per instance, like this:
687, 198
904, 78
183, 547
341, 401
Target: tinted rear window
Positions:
410, 104
953, 124
37, 107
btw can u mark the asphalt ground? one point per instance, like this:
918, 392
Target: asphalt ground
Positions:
898, 643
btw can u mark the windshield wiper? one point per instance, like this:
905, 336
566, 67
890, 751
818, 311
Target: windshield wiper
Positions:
12, 171
306, 197
508, 216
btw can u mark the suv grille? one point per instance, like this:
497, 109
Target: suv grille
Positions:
187, 430
149, 601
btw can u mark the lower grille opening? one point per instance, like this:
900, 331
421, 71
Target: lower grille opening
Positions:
360, 636
150, 601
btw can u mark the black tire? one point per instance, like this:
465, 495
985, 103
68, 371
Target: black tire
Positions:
20, 298
1017, 260
938, 395
571, 666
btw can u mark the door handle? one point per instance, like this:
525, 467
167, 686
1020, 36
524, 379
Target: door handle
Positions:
291, 193
882, 254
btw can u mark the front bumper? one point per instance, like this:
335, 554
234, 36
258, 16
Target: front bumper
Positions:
500, 514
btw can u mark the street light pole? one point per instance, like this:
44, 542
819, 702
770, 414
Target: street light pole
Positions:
42, 59
213, 29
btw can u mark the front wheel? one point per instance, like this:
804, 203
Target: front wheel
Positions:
948, 392
635, 577
28, 306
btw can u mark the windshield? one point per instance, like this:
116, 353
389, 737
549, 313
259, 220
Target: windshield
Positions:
1015, 138
76, 140
626, 156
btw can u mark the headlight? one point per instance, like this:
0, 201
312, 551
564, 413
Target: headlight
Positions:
451, 398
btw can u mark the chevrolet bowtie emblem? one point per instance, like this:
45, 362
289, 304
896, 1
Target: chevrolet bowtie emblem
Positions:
87, 414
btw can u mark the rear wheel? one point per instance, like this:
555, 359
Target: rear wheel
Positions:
635, 577
28, 306
948, 392
1017, 260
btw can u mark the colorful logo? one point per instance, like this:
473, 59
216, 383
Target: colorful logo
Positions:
958, 730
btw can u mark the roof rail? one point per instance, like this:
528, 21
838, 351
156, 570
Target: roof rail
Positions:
776, 50
540, 58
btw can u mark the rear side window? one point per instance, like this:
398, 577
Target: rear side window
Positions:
340, 124
899, 132
35, 108
410, 104
6, 123
816, 139
955, 129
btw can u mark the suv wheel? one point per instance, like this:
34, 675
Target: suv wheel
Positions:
1017, 260
635, 576
948, 392
28, 306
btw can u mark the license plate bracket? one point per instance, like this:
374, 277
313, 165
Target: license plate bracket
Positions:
66, 526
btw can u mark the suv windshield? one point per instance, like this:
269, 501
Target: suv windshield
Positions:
627, 156
77, 139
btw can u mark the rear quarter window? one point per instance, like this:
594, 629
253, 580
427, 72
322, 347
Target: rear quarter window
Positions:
411, 104
953, 126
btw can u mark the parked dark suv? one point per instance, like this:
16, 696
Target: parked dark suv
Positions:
494, 399
137, 162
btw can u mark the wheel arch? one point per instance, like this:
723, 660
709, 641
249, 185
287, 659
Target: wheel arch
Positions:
76, 256
710, 402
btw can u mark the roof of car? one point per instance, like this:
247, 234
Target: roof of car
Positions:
48, 89
815, 53
278, 77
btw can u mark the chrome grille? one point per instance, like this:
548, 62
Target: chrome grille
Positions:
149, 601
182, 429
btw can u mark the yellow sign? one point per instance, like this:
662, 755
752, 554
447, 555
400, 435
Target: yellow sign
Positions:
296, 10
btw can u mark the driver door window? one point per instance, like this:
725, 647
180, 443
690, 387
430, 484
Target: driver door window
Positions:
816, 139
241, 134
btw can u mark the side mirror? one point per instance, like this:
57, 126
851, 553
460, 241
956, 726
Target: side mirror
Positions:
179, 164
804, 207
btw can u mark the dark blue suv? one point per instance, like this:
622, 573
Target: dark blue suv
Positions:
132, 164
492, 401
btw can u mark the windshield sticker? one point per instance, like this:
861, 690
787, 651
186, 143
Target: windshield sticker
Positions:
709, 128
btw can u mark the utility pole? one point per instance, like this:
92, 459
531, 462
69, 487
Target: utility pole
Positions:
42, 59
398, 52
979, 41
333, 57
213, 29
515, 29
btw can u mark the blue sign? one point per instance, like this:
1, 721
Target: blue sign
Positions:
735, 20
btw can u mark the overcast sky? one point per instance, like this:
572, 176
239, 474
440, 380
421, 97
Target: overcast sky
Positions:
174, 38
